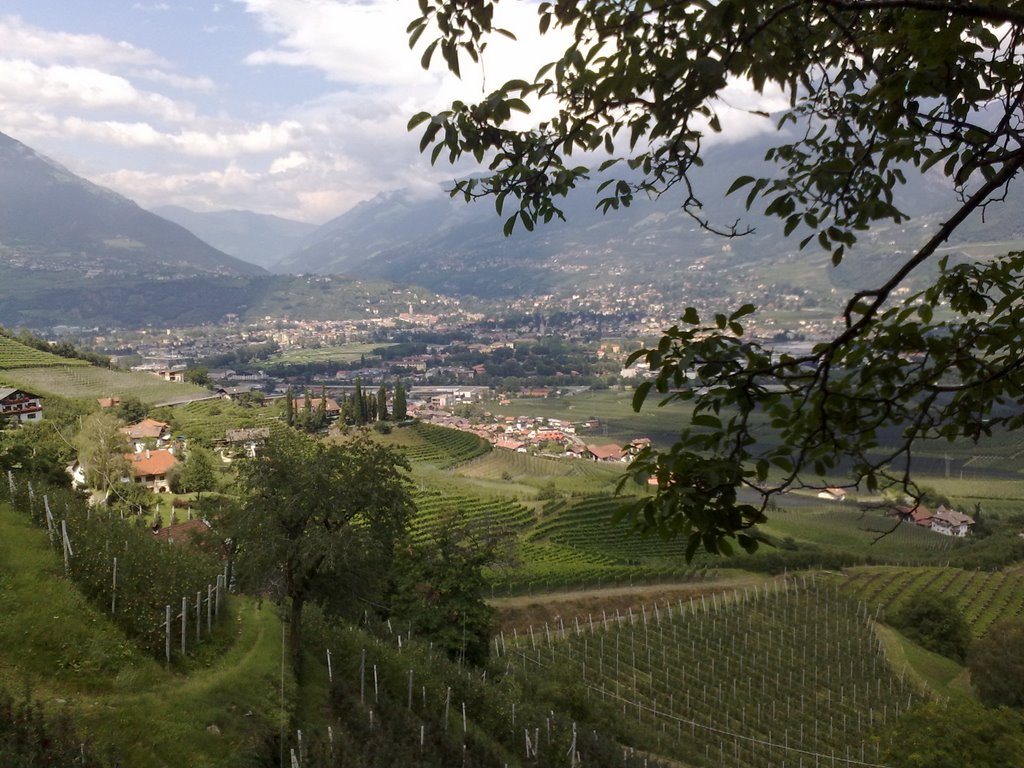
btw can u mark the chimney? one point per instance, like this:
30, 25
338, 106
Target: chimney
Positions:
147, 453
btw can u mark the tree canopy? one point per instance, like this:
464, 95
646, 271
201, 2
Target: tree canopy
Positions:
996, 662
311, 512
876, 89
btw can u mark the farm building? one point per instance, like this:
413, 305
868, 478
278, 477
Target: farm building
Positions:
158, 432
949, 522
150, 468
20, 405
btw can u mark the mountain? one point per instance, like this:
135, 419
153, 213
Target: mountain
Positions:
54, 221
253, 237
453, 247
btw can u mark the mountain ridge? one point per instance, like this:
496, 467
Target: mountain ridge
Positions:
54, 220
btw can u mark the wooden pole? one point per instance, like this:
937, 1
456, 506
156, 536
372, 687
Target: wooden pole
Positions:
184, 622
113, 589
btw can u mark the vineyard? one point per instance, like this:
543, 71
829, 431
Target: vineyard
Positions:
207, 421
14, 355
438, 446
982, 596
89, 382
124, 571
859, 533
502, 462
486, 517
790, 675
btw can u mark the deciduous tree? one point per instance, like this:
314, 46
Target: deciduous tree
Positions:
875, 90
307, 504
996, 662
102, 446
199, 473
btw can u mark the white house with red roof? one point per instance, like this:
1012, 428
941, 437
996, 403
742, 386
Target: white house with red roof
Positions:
150, 468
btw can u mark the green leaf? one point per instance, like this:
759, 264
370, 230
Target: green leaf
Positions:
640, 395
741, 182
418, 119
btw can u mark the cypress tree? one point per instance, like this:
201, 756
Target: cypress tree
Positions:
399, 401
382, 403
289, 404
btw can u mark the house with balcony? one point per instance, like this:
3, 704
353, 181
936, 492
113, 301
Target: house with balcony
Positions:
20, 406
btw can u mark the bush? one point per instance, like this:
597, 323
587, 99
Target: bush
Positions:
996, 662
934, 622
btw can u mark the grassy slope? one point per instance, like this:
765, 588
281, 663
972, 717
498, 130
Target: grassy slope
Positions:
51, 638
930, 671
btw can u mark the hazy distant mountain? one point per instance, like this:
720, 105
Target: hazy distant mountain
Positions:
54, 221
257, 238
450, 246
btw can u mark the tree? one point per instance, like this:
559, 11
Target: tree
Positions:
131, 409
996, 662
399, 406
199, 472
956, 734
876, 89
382, 403
933, 621
307, 506
439, 591
198, 375
102, 446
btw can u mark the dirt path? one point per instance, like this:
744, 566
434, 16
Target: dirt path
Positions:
523, 610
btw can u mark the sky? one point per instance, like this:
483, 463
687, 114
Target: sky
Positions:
290, 107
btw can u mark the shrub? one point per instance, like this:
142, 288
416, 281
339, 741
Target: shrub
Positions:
934, 622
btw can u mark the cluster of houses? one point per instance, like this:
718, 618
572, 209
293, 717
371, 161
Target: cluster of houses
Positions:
529, 434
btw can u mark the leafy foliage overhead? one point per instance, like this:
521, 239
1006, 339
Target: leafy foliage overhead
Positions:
875, 89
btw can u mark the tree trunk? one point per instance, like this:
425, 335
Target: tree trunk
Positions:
295, 633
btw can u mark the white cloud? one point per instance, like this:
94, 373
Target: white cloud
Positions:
290, 162
223, 144
82, 87
20, 39
181, 82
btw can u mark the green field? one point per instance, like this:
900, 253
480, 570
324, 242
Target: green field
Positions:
59, 645
87, 382
343, 353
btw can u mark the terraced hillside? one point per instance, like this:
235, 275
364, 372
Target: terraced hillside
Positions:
15, 355
982, 596
437, 446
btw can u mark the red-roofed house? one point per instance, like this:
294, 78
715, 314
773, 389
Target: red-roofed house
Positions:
919, 515
150, 468
148, 429
608, 453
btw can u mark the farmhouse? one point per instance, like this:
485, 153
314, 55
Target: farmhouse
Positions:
331, 408
150, 468
608, 453
148, 431
19, 405
248, 440
949, 522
